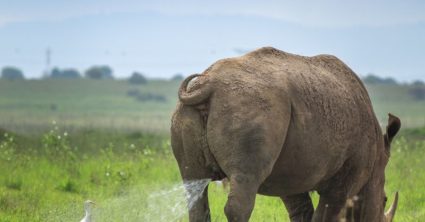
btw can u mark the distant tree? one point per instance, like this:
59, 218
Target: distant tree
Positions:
389, 81
99, 72
107, 72
71, 74
418, 92
146, 97
56, 73
418, 83
137, 78
177, 77
12, 73
133, 92
373, 79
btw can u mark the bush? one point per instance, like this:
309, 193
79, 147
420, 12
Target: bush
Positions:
12, 73
8, 147
65, 74
373, 79
133, 92
145, 97
99, 72
57, 146
418, 83
13, 183
137, 78
418, 92
68, 185
177, 77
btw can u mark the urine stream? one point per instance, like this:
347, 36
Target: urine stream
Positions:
165, 204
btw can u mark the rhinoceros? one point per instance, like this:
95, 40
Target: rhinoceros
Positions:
283, 125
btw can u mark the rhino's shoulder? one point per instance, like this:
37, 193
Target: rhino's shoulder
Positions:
268, 52
330, 62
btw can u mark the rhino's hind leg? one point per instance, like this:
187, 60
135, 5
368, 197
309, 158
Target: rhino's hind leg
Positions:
241, 199
185, 135
299, 207
200, 211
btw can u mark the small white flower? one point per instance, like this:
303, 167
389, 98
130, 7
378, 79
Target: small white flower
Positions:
107, 174
65, 134
54, 122
59, 137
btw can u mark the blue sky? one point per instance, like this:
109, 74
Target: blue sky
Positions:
161, 38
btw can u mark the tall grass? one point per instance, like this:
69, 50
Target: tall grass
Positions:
48, 178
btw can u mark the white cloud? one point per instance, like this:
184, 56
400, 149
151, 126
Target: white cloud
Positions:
329, 13
326, 13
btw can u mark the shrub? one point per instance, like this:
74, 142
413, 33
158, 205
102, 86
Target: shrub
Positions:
68, 186
418, 83
418, 92
8, 147
57, 146
133, 92
145, 97
65, 74
137, 78
373, 79
14, 183
99, 72
177, 77
71, 74
12, 73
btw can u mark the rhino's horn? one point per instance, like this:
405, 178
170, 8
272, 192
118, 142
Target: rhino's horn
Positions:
389, 215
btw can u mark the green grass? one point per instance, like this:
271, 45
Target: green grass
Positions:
396, 99
49, 178
30, 106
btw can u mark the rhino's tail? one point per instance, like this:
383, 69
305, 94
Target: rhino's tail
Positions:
197, 96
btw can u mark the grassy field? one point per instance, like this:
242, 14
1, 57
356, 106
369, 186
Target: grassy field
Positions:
396, 99
30, 106
62, 142
48, 179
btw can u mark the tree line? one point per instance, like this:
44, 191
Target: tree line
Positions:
416, 91
94, 72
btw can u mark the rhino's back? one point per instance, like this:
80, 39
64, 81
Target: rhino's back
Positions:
320, 87
332, 118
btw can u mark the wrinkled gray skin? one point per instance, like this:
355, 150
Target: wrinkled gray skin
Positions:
282, 125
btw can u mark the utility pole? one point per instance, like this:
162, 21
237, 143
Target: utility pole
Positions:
48, 59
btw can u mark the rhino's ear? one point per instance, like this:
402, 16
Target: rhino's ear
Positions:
392, 129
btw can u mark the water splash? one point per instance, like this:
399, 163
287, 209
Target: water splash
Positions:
173, 204
144, 203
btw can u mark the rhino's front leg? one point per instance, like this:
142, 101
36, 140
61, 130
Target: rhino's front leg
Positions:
299, 207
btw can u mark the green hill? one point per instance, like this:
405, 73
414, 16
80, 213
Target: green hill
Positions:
31, 106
